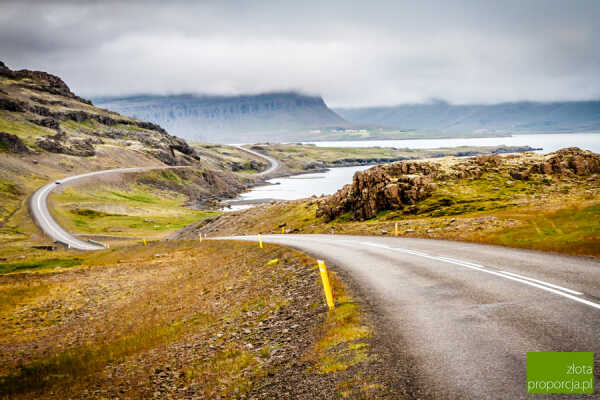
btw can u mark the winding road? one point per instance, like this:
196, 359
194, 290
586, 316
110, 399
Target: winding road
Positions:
463, 316
274, 164
38, 206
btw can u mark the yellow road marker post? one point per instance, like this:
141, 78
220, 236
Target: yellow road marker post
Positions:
200, 236
260, 241
326, 285
396, 229
145, 244
283, 229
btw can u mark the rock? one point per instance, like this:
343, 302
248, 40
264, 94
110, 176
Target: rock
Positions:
13, 106
569, 160
409, 231
521, 175
59, 143
384, 232
13, 143
384, 187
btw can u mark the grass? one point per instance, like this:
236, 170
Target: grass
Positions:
571, 230
136, 210
131, 324
243, 369
52, 263
25, 130
342, 344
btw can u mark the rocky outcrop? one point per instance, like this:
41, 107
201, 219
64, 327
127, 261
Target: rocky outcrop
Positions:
59, 143
396, 185
13, 144
572, 160
44, 82
386, 187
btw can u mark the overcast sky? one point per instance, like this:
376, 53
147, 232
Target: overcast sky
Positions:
371, 53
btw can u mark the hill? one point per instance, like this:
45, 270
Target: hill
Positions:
48, 132
283, 116
578, 116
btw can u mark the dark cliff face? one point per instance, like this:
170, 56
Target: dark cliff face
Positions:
249, 118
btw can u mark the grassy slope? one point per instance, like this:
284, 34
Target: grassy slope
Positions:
135, 210
210, 318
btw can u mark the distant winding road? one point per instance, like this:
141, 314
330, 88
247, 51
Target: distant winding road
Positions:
463, 316
275, 164
41, 215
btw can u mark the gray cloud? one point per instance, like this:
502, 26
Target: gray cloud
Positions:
372, 53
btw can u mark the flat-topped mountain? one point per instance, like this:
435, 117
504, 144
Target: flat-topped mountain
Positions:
440, 116
231, 119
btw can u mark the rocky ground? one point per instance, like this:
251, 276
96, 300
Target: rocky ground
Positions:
186, 320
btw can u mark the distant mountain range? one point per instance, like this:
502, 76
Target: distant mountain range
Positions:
284, 116
519, 117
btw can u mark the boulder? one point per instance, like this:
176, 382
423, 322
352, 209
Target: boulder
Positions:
13, 143
571, 160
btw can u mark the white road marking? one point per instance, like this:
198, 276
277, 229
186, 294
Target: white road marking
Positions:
564, 289
549, 287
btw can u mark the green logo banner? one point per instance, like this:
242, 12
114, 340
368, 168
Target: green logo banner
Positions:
567, 373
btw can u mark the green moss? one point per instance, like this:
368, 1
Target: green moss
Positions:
25, 130
85, 212
39, 264
572, 230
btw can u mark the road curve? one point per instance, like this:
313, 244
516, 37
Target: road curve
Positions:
275, 164
41, 215
463, 315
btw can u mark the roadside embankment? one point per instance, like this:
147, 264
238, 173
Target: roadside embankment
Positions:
188, 319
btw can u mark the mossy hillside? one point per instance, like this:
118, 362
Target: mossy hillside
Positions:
27, 131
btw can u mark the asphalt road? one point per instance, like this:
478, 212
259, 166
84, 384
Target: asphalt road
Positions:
41, 215
463, 316
274, 163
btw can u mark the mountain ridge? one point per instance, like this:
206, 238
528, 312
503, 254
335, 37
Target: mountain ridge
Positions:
520, 116
285, 115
